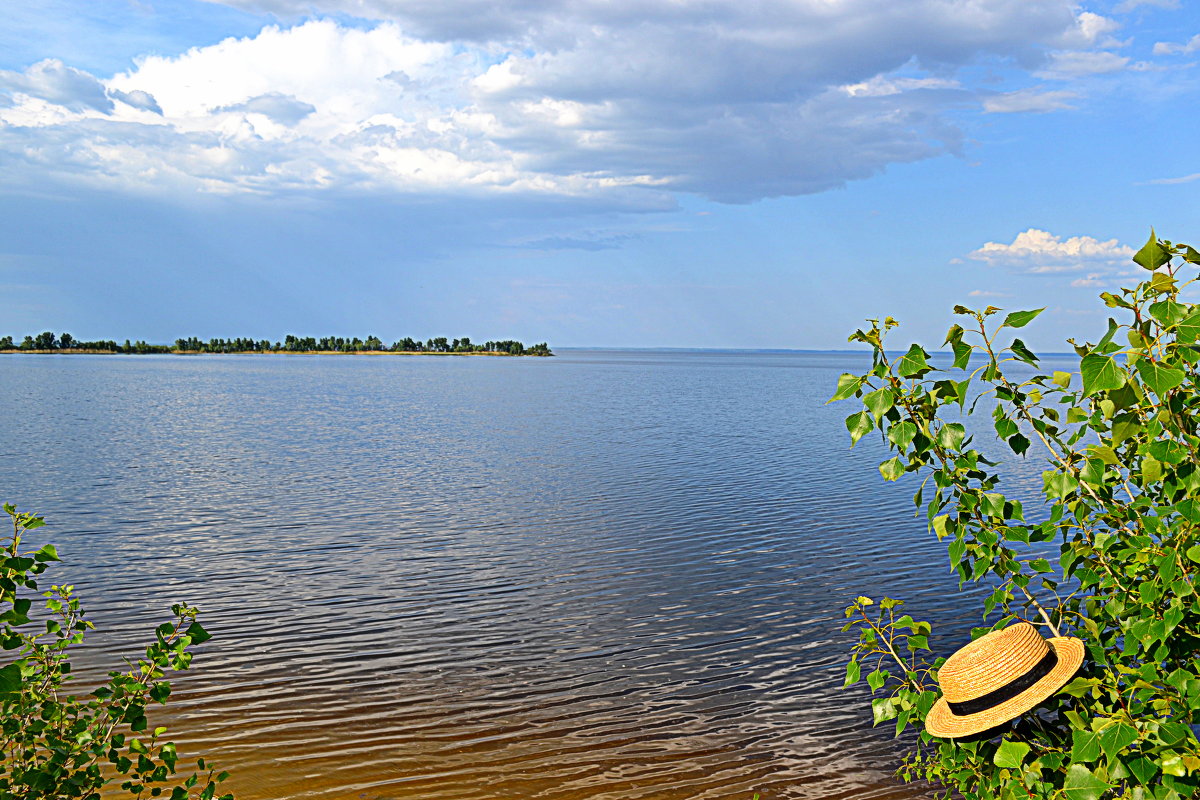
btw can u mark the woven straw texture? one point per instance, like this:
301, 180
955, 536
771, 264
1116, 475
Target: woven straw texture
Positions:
992, 662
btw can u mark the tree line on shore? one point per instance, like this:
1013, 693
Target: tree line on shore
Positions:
47, 341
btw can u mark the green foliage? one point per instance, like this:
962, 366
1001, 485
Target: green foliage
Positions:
55, 744
1121, 445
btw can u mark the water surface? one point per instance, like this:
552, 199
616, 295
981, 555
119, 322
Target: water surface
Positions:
606, 575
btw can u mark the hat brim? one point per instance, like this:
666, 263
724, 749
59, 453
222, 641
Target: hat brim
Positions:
944, 723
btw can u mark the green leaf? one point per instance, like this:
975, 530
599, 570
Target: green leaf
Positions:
1063, 379
1152, 469
883, 709
951, 435
912, 363
962, 355
1085, 746
1188, 331
853, 671
197, 633
892, 469
847, 385
1010, 755
1081, 784
1168, 312
1104, 453
1152, 255
1116, 737
1058, 485
1019, 319
10, 678
902, 434
879, 402
1159, 378
47, 553
876, 679
859, 425
1100, 373
1022, 352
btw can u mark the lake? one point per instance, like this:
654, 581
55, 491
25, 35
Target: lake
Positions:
604, 575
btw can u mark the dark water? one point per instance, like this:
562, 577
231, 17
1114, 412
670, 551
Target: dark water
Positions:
606, 575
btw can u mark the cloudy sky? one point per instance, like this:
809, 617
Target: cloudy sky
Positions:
690, 173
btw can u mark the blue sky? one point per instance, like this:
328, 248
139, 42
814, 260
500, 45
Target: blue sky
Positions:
686, 173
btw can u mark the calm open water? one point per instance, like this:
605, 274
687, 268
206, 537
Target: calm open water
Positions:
606, 575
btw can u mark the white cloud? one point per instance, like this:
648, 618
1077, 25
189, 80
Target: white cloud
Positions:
1129, 5
1038, 252
1077, 64
1028, 100
54, 82
1091, 30
986, 293
600, 98
1170, 48
1169, 181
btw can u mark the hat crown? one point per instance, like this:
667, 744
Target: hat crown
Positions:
991, 662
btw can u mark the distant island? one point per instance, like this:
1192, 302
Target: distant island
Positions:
47, 342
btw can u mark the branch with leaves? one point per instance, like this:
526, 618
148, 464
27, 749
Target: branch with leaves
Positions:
1119, 438
54, 744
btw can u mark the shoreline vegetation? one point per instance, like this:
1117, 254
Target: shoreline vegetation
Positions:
47, 342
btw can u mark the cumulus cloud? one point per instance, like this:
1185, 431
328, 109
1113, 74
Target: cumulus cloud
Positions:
596, 98
1171, 48
1038, 252
1076, 64
1028, 101
278, 107
54, 82
137, 99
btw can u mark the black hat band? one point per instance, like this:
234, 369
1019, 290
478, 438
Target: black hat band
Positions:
1009, 690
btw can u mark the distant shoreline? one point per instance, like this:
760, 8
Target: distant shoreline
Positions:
83, 352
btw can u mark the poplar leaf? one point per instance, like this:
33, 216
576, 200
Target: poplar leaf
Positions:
879, 402
1085, 746
1152, 255
1019, 319
951, 436
859, 425
1063, 379
1100, 373
1159, 378
847, 385
1188, 330
892, 469
853, 670
883, 709
10, 678
912, 363
962, 355
1152, 469
1081, 784
1022, 352
902, 434
1010, 755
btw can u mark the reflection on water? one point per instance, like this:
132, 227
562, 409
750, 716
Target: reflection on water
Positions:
603, 575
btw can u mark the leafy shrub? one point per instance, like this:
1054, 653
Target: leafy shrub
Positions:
54, 744
1122, 500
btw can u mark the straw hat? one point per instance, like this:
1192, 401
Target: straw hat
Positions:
998, 677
